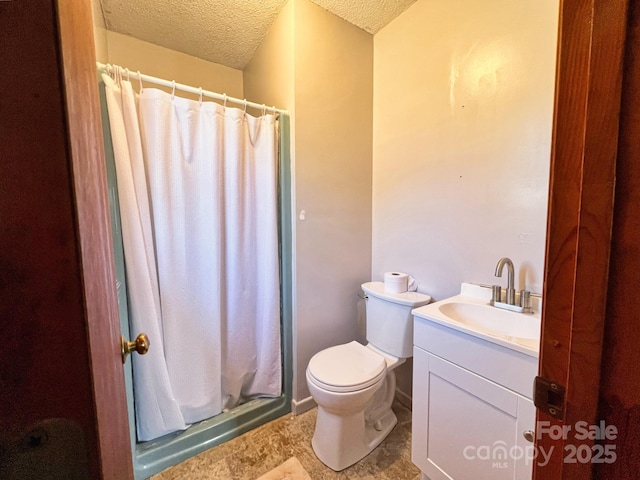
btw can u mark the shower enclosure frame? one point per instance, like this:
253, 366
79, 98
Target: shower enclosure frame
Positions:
155, 455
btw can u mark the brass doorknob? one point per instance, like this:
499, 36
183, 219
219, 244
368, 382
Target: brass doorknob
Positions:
140, 345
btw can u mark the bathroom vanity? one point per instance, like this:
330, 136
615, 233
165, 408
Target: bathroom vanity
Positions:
473, 372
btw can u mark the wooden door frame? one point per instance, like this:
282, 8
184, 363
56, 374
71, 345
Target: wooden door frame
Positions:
78, 63
584, 147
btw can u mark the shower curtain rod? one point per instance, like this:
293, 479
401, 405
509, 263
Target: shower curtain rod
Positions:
108, 68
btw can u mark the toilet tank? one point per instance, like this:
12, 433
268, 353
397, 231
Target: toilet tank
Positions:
389, 319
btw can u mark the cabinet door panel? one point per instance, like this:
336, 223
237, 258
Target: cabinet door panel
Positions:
464, 425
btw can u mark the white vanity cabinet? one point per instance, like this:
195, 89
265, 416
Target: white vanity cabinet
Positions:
471, 406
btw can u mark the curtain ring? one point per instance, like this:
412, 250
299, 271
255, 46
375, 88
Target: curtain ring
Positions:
140, 81
264, 109
126, 70
245, 106
200, 88
173, 90
224, 105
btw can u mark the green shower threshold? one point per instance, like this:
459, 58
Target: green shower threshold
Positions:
161, 453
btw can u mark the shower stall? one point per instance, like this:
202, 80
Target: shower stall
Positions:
152, 453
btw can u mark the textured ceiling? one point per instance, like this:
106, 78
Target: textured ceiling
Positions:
227, 31
369, 15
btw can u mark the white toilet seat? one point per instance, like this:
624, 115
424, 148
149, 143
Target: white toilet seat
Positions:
346, 368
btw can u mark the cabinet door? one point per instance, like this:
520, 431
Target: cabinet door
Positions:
464, 426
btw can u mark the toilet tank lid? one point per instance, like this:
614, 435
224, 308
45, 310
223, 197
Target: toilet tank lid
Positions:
410, 299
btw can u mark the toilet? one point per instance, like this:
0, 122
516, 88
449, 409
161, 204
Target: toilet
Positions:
354, 385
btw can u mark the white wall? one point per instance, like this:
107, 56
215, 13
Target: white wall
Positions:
99, 33
169, 64
463, 104
333, 147
270, 75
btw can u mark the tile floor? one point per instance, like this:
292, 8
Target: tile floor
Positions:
253, 454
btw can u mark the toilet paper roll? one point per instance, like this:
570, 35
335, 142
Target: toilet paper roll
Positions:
396, 282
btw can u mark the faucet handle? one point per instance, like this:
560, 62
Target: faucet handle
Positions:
496, 294
525, 300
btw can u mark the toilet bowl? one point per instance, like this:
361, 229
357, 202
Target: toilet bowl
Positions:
354, 403
354, 385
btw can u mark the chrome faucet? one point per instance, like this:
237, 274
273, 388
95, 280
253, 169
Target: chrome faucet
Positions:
511, 291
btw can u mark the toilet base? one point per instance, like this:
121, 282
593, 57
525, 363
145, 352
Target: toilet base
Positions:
339, 441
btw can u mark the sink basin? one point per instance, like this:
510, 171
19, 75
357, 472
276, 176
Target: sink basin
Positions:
492, 320
471, 313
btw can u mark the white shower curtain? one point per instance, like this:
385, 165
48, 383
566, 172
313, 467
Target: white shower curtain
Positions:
197, 186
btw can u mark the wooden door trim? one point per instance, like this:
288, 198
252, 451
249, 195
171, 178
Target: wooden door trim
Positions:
584, 146
78, 64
